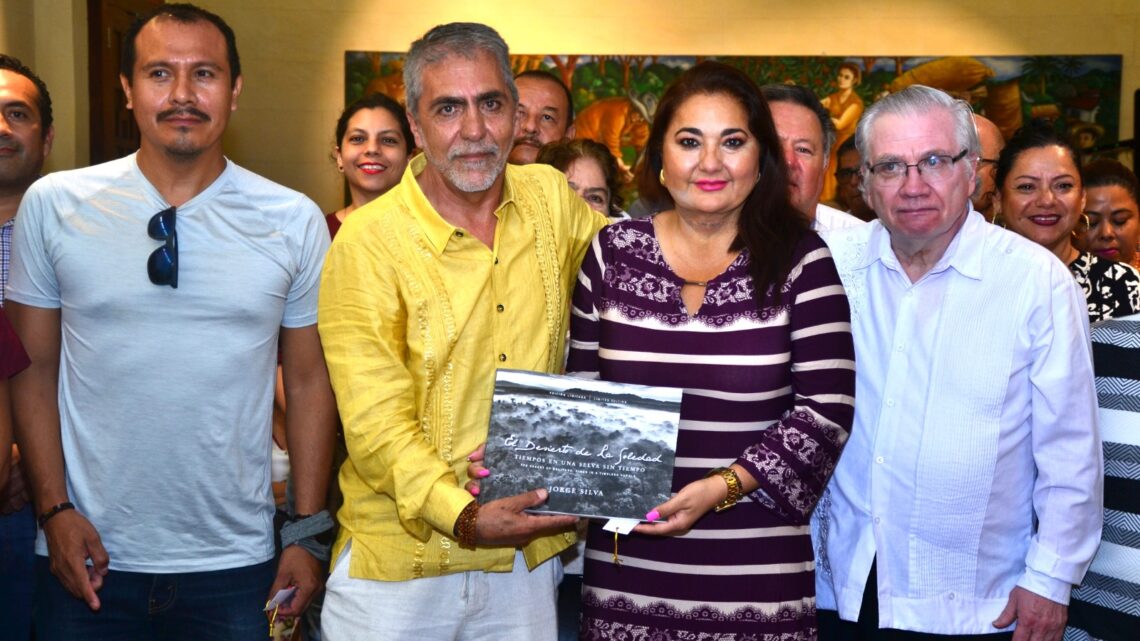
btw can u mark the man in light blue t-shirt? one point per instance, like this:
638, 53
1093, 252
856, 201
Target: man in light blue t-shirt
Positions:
152, 293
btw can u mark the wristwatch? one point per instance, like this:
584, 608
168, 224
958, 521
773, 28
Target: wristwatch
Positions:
733, 482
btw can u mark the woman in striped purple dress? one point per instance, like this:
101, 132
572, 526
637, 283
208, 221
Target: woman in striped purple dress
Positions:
728, 294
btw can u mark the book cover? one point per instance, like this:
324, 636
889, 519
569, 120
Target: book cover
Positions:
601, 449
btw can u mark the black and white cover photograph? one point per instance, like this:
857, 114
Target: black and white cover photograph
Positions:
601, 449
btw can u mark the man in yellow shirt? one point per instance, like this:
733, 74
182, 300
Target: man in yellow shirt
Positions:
464, 267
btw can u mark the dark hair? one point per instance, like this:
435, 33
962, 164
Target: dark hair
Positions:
1038, 133
1105, 172
770, 228
549, 77
848, 145
803, 97
186, 14
563, 153
43, 98
376, 101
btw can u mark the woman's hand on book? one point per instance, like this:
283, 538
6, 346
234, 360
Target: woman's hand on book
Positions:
679, 513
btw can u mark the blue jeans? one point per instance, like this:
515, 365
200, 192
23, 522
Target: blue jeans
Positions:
225, 605
17, 573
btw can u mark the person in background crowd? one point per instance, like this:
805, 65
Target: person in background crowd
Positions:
26, 136
1103, 607
171, 273
849, 182
1041, 198
989, 136
546, 114
728, 294
373, 144
591, 170
1114, 217
806, 136
469, 264
968, 498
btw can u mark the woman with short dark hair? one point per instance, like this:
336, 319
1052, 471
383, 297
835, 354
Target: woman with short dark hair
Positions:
1042, 198
373, 143
1114, 215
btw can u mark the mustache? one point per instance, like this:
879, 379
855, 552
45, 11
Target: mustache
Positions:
469, 149
528, 139
182, 112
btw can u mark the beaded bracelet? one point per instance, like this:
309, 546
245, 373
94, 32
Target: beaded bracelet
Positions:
52, 511
465, 525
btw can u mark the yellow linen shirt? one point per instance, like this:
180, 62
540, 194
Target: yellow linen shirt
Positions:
415, 317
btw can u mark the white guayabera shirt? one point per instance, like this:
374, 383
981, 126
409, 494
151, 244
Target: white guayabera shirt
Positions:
975, 413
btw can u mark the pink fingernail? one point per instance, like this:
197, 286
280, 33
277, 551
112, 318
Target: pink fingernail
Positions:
484, 473
474, 491
652, 515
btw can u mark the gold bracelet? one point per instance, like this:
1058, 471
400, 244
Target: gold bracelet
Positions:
733, 482
465, 525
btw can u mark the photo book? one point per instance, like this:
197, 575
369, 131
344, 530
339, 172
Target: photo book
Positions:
602, 450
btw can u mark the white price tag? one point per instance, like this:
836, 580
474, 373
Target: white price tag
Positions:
281, 598
620, 526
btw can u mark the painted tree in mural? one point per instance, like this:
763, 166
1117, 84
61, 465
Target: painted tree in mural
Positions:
1044, 69
565, 66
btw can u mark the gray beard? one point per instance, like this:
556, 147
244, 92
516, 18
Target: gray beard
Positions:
462, 180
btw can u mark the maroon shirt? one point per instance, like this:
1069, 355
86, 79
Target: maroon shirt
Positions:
13, 358
334, 224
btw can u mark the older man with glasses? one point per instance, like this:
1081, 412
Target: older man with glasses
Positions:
968, 498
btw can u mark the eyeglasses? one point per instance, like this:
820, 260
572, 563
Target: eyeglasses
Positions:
935, 167
847, 173
162, 266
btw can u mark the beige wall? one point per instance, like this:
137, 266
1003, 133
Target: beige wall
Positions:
50, 36
293, 50
16, 25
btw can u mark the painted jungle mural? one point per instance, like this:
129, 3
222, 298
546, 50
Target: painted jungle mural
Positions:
615, 96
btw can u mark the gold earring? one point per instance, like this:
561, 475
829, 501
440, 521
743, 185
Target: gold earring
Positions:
661, 176
1080, 229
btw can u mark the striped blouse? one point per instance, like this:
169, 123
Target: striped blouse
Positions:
771, 389
1107, 603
